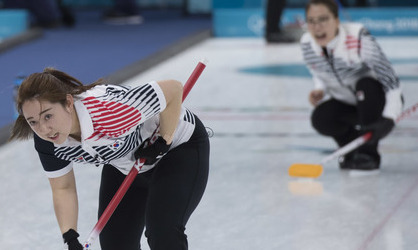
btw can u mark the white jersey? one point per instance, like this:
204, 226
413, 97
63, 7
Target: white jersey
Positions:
352, 55
114, 121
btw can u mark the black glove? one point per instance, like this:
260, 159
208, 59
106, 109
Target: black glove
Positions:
379, 129
70, 237
152, 153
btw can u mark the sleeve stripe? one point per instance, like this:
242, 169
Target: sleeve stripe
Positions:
60, 172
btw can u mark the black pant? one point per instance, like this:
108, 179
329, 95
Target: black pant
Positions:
358, 3
274, 12
127, 6
339, 120
161, 200
44, 11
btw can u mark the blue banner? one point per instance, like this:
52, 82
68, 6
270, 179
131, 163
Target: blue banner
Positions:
222, 4
250, 22
13, 22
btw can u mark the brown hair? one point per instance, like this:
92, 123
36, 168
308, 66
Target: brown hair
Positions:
50, 85
330, 4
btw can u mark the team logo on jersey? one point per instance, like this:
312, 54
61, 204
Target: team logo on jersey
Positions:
116, 145
80, 158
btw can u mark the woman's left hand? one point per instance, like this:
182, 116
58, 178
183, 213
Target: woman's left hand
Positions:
71, 239
152, 152
379, 129
315, 96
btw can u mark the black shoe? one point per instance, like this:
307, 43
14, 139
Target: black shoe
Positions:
363, 161
49, 24
121, 18
279, 37
346, 161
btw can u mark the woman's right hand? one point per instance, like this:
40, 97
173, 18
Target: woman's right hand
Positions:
315, 96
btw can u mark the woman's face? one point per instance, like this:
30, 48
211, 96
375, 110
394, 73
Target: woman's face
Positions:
50, 121
322, 24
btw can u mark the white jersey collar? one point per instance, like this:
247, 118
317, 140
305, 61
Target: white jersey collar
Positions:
331, 45
86, 125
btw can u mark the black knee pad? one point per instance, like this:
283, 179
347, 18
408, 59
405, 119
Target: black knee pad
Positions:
371, 100
368, 87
